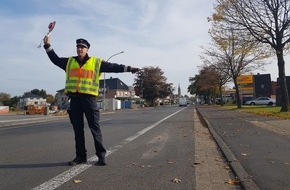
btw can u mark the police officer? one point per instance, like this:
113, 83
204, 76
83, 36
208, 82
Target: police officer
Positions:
82, 84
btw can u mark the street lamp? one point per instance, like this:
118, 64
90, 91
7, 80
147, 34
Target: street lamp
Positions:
104, 94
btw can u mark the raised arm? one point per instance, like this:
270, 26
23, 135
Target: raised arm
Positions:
54, 58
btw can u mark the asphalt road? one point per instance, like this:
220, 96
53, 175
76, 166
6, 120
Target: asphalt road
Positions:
146, 150
153, 148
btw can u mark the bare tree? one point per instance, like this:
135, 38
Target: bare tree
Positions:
233, 53
268, 21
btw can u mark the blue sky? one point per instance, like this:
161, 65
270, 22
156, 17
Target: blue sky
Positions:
164, 33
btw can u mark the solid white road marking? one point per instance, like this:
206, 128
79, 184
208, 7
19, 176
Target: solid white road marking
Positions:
74, 171
36, 124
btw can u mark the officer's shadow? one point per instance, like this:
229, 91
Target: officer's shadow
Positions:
39, 165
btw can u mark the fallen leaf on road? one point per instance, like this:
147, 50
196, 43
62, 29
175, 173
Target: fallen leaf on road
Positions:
196, 163
218, 159
287, 163
272, 162
135, 163
244, 154
170, 162
176, 180
228, 167
77, 181
233, 181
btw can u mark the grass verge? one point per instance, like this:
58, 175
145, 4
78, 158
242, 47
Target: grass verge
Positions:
269, 111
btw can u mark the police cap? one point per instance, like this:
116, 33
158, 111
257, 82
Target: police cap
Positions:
83, 42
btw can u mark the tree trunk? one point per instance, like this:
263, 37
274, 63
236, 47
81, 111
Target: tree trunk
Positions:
221, 95
282, 82
239, 103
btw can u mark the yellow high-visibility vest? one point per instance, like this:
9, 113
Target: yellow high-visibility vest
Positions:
83, 79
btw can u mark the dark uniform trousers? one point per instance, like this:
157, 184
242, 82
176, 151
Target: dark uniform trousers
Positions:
80, 105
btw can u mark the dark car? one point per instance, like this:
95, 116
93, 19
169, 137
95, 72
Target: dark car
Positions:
244, 99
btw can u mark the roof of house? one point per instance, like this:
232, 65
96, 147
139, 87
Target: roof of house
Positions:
30, 95
114, 84
61, 90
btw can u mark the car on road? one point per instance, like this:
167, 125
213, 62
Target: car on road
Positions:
182, 102
261, 101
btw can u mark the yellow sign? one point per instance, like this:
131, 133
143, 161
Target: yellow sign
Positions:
243, 79
246, 89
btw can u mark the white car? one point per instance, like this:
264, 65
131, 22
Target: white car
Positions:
261, 101
182, 102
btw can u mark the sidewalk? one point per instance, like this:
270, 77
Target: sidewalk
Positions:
212, 172
256, 147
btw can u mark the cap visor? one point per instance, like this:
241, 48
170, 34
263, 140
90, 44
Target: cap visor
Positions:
82, 45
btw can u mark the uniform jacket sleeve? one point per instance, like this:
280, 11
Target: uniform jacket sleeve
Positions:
108, 67
55, 59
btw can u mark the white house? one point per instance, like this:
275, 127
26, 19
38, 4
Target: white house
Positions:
31, 99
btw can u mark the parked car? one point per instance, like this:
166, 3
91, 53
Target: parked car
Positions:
219, 100
261, 101
246, 98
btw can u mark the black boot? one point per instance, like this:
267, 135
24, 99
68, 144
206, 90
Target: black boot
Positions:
77, 160
101, 162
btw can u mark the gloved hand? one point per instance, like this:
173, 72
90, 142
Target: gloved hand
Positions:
46, 40
134, 70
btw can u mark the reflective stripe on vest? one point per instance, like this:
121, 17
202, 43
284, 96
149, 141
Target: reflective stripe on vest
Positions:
83, 79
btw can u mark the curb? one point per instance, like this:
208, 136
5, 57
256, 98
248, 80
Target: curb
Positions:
245, 180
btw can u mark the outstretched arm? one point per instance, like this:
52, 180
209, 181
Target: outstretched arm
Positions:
108, 67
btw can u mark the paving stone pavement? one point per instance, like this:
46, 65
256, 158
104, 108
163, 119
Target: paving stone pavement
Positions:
256, 147
212, 171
